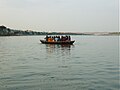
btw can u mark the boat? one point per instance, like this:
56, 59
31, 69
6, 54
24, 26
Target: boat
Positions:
57, 42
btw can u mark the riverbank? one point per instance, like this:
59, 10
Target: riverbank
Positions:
4, 31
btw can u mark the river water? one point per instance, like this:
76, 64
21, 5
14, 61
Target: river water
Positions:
91, 63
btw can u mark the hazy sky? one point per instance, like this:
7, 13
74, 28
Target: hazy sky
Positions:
60, 15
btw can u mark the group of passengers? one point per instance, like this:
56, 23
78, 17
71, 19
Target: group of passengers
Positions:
57, 38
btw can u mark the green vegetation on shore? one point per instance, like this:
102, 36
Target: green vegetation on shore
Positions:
4, 31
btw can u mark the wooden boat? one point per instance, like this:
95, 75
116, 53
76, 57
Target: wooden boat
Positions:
57, 42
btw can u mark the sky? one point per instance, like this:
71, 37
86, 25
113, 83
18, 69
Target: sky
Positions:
61, 15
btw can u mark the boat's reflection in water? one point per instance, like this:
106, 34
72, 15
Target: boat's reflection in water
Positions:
61, 49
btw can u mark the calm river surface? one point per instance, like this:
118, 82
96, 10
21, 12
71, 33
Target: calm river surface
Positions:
90, 64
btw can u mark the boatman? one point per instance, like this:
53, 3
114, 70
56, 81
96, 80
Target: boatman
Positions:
46, 37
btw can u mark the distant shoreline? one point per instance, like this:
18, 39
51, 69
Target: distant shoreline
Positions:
4, 31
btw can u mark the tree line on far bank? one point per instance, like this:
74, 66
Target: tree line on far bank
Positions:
4, 31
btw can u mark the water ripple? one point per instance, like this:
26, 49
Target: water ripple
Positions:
90, 64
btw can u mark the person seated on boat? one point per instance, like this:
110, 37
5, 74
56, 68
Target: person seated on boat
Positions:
56, 38
66, 38
50, 39
59, 38
63, 38
53, 37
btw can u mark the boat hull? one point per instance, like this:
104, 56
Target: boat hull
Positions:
58, 42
